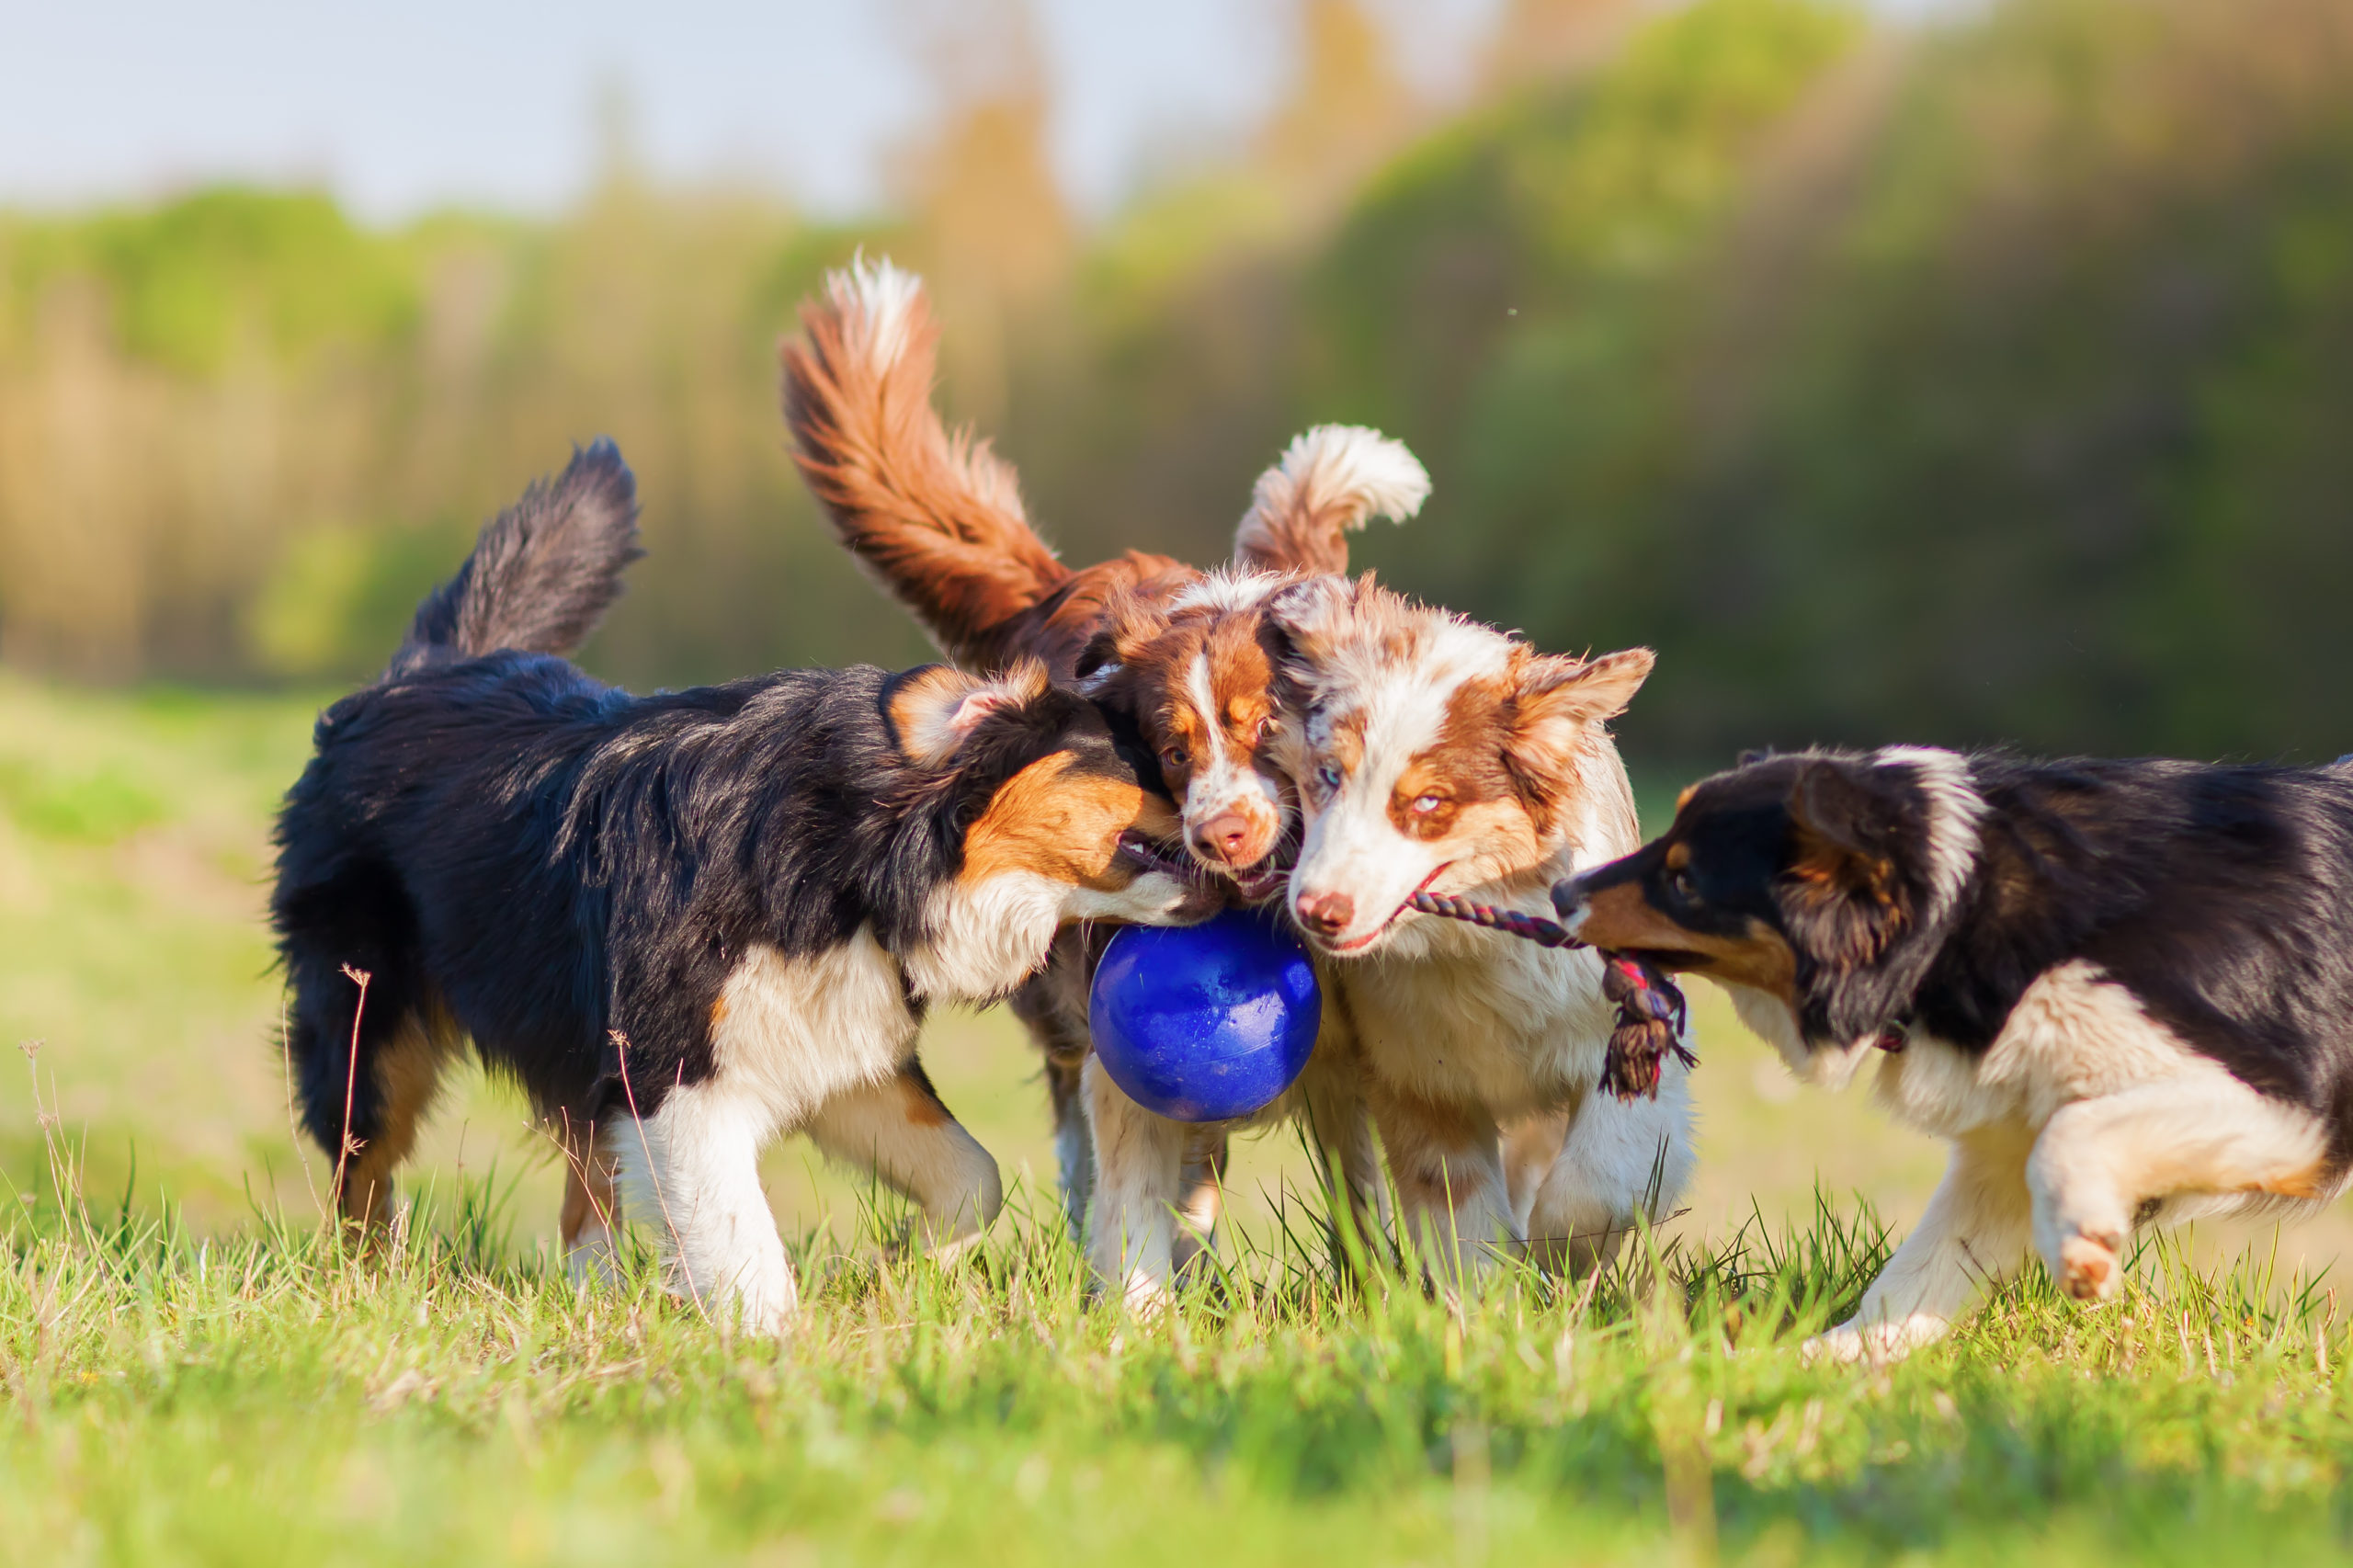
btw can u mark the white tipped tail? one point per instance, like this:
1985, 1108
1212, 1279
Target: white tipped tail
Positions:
1331, 480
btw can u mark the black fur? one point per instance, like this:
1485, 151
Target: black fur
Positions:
542, 573
2222, 897
552, 861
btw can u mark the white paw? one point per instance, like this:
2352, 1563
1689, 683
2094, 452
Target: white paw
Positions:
1878, 1342
2089, 1268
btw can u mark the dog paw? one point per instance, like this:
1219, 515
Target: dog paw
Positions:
1877, 1343
2089, 1268
1840, 1347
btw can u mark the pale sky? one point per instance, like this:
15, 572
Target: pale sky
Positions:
402, 107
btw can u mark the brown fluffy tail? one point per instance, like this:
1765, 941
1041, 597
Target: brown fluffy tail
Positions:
936, 518
1330, 482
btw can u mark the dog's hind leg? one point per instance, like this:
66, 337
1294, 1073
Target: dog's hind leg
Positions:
1973, 1234
1139, 1178
591, 1218
900, 1130
2098, 1160
693, 1168
406, 1070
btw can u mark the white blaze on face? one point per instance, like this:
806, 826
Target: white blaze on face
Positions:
1223, 781
1381, 715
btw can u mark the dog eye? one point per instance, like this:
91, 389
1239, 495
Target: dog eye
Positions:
1264, 728
1680, 884
1425, 804
1174, 757
1328, 777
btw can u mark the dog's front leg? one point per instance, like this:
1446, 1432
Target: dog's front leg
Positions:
1973, 1234
1139, 1178
2205, 1132
1446, 1160
1341, 1130
1622, 1163
692, 1168
900, 1129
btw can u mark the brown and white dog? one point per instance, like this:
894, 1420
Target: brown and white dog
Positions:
1436, 755
937, 520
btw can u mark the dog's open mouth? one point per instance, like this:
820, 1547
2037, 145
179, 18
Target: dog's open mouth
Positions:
1262, 882
1147, 855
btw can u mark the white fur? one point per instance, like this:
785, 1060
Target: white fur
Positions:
693, 1167
1350, 844
1227, 591
1345, 465
877, 302
2082, 1111
1486, 1026
988, 937
1223, 779
1954, 811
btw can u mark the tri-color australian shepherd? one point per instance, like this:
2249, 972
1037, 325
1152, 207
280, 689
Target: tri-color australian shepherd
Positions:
688, 923
2122, 990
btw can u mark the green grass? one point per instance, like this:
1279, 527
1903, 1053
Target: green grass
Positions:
260, 1397
189, 1372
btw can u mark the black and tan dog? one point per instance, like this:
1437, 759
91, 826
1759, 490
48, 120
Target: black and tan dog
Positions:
693, 921
2123, 989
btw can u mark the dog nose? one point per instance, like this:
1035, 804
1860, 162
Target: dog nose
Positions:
1325, 913
1221, 837
1568, 896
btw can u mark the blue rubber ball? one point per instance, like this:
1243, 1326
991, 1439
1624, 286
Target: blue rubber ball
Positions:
1207, 1022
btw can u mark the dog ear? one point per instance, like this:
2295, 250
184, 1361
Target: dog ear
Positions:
936, 709
1752, 756
1845, 895
1307, 617
1555, 698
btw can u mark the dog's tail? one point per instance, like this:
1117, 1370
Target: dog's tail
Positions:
1331, 480
542, 573
935, 516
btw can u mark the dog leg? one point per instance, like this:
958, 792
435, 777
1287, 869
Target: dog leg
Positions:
1051, 1005
1341, 1130
1201, 1185
1973, 1233
591, 1218
406, 1068
1446, 1160
1622, 1161
1139, 1175
693, 1168
2206, 1132
900, 1130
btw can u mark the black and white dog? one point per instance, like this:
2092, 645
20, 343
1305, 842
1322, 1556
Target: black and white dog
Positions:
2123, 989
692, 921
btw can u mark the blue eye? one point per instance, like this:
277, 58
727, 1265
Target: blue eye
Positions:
1328, 777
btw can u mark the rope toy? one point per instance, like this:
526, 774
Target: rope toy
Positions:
1652, 1013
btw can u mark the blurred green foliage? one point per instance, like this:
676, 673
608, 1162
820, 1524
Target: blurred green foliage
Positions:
1979, 379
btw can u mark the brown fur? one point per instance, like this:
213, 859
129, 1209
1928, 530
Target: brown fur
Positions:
1048, 821
1621, 919
936, 518
408, 1077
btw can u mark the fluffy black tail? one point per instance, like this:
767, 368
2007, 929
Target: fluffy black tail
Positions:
543, 571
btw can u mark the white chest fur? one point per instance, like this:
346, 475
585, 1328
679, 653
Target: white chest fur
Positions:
1482, 1016
789, 1033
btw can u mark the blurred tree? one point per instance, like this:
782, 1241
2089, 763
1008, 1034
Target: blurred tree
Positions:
991, 228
